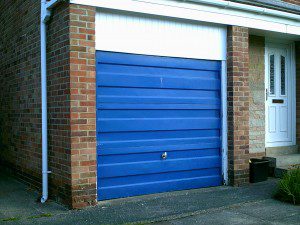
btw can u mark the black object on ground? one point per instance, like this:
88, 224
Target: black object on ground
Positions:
259, 169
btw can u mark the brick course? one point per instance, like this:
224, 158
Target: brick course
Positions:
238, 104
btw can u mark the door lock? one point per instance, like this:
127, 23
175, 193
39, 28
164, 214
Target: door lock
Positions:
164, 155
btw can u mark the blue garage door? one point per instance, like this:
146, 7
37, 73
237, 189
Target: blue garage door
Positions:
158, 124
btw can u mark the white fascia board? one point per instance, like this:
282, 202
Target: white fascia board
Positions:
197, 12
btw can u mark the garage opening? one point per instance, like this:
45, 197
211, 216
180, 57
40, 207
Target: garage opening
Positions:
159, 104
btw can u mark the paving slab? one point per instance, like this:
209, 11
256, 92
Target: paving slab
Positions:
225, 217
267, 212
262, 210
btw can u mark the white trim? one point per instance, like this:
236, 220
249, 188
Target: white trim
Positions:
273, 43
141, 34
246, 7
224, 123
200, 12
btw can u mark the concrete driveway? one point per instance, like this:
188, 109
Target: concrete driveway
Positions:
252, 204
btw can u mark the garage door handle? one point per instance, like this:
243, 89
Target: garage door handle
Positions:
164, 155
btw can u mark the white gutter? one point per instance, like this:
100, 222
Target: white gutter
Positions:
218, 3
250, 8
45, 15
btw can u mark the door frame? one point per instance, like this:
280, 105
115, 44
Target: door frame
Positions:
292, 84
224, 132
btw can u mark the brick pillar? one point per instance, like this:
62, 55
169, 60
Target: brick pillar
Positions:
83, 103
238, 104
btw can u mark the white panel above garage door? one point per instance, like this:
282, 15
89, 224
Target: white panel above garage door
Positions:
148, 35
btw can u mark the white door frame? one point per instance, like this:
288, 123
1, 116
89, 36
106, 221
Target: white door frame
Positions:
291, 83
224, 123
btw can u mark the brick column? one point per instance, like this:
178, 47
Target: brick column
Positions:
238, 104
83, 103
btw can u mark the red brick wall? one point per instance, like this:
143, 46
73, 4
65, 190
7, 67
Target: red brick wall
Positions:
58, 85
71, 98
238, 104
20, 96
83, 105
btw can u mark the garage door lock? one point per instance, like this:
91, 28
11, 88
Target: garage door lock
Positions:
164, 155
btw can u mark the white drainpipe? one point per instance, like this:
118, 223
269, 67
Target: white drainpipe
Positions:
45, 15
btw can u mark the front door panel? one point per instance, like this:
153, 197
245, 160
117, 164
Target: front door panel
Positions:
278, 97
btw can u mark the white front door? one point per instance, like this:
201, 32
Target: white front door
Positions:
279, 96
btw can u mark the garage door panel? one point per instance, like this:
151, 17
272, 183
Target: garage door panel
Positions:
116, 106
143, 141
158, 82
154, 148
152, 156
156, 61
149, 178
155, 93
159, 100
114, 69
148, 105
159, 166
160, 186
145, 124
157, 113
157, 135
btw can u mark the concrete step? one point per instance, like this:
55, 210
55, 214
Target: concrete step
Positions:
280, 171
285, 161
286, 150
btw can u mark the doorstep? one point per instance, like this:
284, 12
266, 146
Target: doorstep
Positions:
283, 159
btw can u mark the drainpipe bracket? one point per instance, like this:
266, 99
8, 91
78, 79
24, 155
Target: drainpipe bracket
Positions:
46, 15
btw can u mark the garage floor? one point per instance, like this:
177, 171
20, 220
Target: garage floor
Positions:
221, 205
